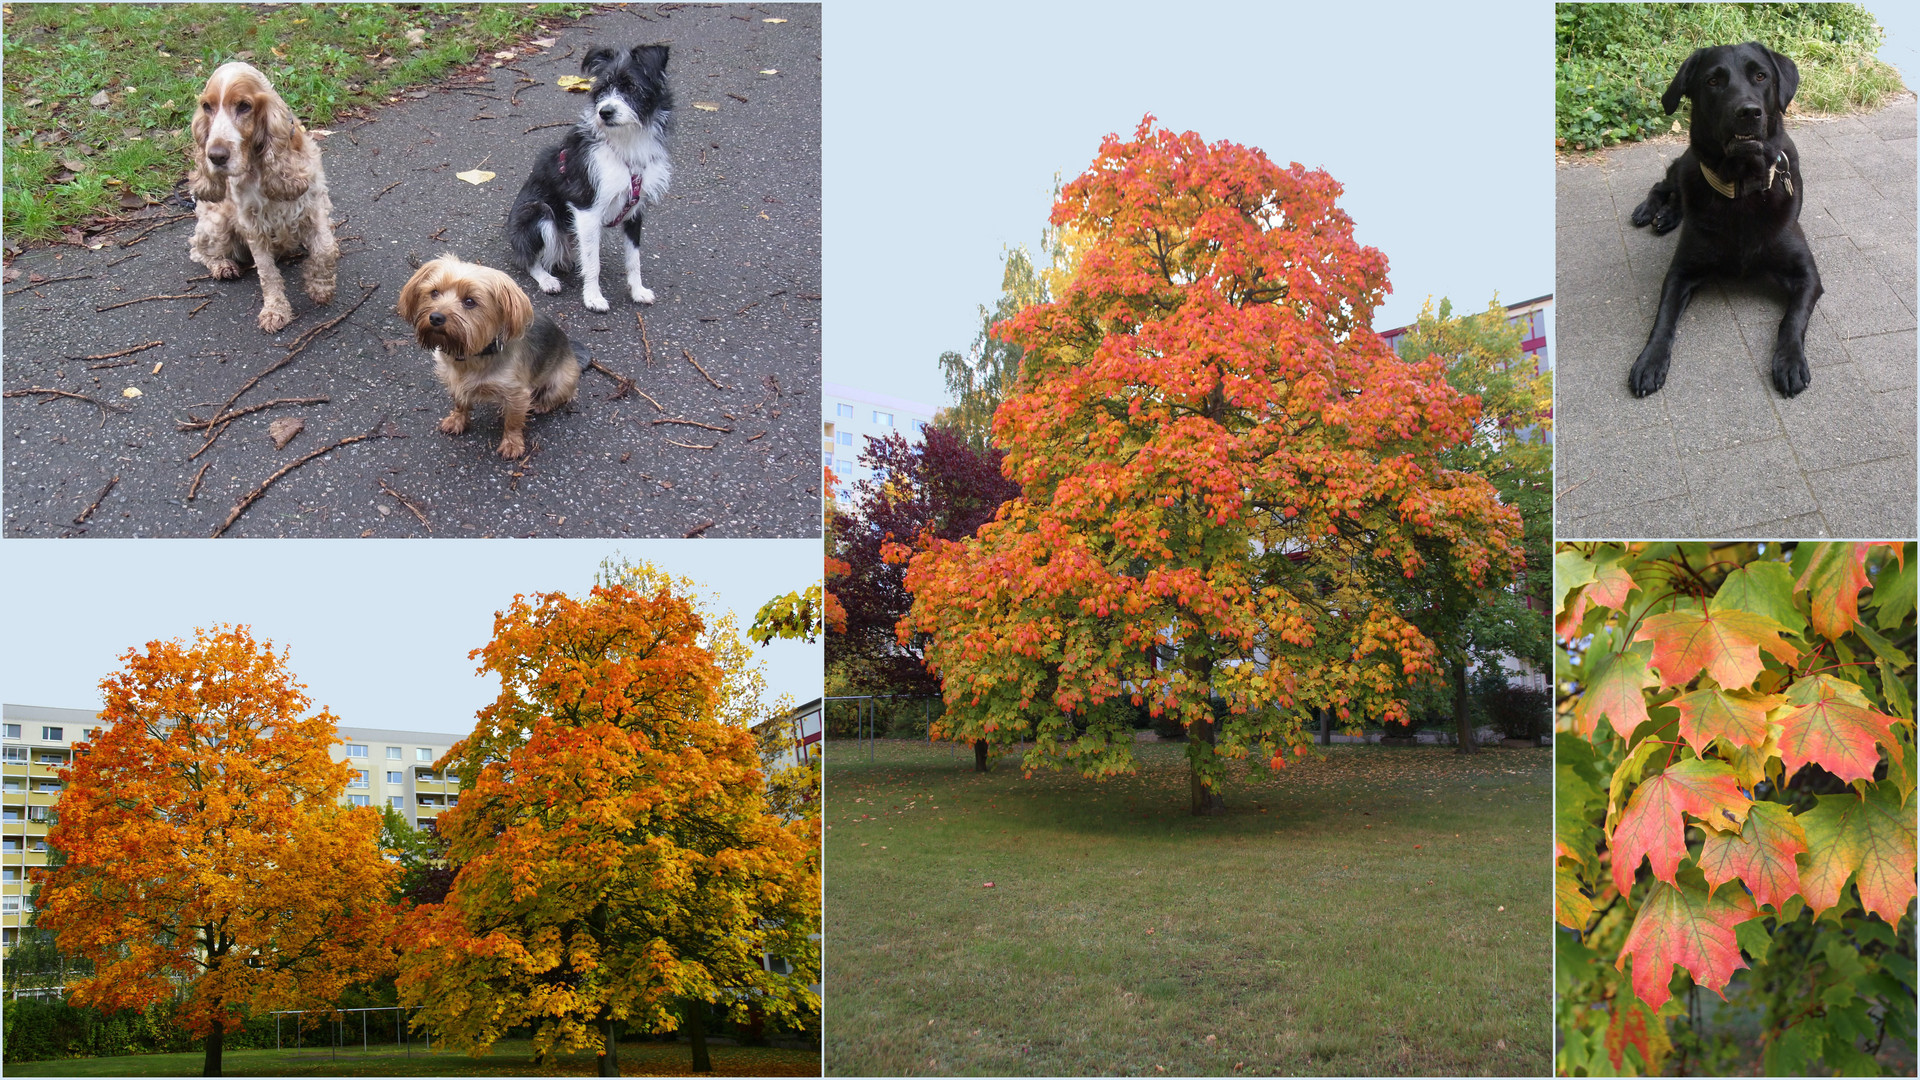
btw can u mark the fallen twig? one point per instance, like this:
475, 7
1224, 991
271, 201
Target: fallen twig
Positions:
644, 343
248, 499
693, 446
224, 418
156, 225
166, 296
386, 189
103, 406
649, 398
625, 384
194, 488
97, 500
198, 310
556, 123
49, 281
110, 263
404, 501
299, 345
758, 437
694, 423
703, 371
122, 352
697, 530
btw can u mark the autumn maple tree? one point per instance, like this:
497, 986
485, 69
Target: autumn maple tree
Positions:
204, 848
1222, 468
1734, 791
617, 863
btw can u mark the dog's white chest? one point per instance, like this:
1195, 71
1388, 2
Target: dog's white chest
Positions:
628, 174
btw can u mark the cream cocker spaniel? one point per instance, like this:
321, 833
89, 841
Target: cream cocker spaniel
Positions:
259, 191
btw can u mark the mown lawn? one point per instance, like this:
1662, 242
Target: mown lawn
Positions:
1366, 911
509, 1058
98, 96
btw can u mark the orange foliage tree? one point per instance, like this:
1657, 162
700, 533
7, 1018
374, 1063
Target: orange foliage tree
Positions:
204, 845
1224, 469
617, 862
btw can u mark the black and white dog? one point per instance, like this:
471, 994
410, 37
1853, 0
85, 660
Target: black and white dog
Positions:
610, 168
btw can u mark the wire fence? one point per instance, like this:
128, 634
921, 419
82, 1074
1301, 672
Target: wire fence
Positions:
391, 1019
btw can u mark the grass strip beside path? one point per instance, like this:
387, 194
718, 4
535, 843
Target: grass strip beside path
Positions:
1613, 61
512, 1057
1366, 911
98, 97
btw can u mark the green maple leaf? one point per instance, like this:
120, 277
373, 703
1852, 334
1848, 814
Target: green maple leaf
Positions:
1868, 838
1572, 908
1724, 644
1763, 588
1833, 727
1762, 855
1654, 823
1682, 924
1709, 714
1615, 693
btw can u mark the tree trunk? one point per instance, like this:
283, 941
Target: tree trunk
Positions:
979, 755
610, 1040
216, 1042
1461, 718
697, 1034
1200, 744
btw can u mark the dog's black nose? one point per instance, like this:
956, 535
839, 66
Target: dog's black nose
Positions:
436, 319
218, 155
607, 112
1750, 112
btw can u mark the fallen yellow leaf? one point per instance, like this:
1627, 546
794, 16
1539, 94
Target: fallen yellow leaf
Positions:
706, 106
475, 177
574, 84
130, 392
157, 367
773, 20
769, 71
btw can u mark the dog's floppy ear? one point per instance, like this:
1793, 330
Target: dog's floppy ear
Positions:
280, 146
516, 311
1786, 75
596, 59
1677, 89
205, 184
651, 59
414, 292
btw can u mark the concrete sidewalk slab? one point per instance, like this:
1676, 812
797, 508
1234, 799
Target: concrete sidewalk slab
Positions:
733, 254
1718, 452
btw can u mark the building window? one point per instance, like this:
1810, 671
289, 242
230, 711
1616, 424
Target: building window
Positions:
845, 438
422, 754
37, 813
53, 734
827, 459
399, 802
17, 754
919, 427
884, 419
844, 468
843, 410
9, 873
360, 779
44, 786
453, 778
396, 778
393, 753
9, 936
13, 731
424, 776
356, 751
453, 800
357, 800
10, 904
13, 786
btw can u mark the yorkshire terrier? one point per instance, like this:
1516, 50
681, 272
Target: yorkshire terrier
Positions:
487, 341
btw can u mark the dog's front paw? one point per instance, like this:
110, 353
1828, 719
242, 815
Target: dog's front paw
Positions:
275, 316
642, 294
1649, 372
1790, 371
320, 293
547, 282
1643, 214
454, 423
1666, 220
513, 445
594, 301
224, 269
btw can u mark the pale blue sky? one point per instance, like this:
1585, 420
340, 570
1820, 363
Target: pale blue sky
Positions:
379, 629
946, 125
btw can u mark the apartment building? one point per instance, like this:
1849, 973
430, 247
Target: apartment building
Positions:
850, 415
391, 768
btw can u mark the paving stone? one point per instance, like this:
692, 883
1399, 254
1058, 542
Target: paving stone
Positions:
1639, 470
1802, 527
1868, 501
1744, 485
1662, 519
1843, 425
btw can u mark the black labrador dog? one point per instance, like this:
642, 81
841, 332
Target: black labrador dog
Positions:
1738, 191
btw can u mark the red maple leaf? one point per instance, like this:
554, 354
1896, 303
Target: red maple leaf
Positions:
1834, 730
1709, 714
1762, 855
1682, 924
1615, 693
1654, 823
1871, 837
1725, 644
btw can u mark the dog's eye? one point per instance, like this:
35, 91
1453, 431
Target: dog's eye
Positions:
1759, 76
435, 294
244, 107
206, 106
469, 302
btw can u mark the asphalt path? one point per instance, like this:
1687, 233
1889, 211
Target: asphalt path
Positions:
732, 254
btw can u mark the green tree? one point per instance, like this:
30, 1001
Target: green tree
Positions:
1477, 623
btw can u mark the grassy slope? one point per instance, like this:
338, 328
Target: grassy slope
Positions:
67, 158
510, 1058
1613, 61
1344, 917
